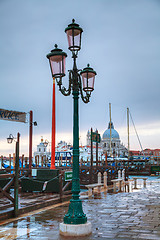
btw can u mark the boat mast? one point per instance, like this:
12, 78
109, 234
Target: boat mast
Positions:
110, 128
137, 134
128, 130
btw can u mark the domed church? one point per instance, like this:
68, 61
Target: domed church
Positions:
112, 145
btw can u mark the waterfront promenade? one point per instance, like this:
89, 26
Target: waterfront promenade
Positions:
134, 215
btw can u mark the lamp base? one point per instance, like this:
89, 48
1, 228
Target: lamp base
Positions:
75, 230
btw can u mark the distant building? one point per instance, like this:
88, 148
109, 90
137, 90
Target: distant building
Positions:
117, 148
41, 155
134, 153
151, 152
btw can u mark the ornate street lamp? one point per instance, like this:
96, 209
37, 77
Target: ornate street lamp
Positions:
80, 82
10, 139
57, 64
74, 33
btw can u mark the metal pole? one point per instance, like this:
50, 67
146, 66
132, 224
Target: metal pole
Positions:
110, 128
96, 148
91, 166
16, 178
75, 213
128, 130
30, 141
53, 142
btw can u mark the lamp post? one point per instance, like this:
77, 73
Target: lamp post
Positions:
80, 82
31, 123
10, 140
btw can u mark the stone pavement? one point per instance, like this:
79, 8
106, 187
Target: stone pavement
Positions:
134, 215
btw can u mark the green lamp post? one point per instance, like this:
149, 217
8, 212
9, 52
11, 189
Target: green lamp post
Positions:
81, 82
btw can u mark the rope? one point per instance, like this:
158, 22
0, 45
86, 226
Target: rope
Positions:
23, 177
136, 133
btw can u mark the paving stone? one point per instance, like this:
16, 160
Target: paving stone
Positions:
148, 236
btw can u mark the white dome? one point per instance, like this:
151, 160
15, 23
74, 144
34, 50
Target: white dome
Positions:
114, 133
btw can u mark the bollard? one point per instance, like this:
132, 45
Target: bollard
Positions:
99, 178
119, 174
90, 192
105, 179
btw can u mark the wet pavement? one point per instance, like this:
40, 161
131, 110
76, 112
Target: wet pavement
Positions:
134, 215
26, 200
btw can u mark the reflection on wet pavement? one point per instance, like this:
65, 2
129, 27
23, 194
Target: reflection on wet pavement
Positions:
134, 215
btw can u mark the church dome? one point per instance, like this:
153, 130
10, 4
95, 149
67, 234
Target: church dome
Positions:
114, 133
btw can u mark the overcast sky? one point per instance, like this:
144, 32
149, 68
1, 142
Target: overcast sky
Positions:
121, 41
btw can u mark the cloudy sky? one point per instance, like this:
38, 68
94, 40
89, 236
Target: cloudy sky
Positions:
121, 41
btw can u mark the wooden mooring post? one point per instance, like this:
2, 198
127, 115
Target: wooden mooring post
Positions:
1, 161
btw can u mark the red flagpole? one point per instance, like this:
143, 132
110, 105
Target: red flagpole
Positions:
30, 140
53, 141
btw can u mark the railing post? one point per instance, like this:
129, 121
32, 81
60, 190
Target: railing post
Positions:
105, 179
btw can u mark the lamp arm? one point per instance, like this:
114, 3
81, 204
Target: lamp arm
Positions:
84, 98
62, 89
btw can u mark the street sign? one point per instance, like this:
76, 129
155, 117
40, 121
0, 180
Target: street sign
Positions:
12, 115
68, 176
96, 137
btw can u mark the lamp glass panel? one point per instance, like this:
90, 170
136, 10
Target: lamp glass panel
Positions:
57, 65
73, 36
88, 81
9, 140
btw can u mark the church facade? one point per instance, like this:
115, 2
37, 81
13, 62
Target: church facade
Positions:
111, 145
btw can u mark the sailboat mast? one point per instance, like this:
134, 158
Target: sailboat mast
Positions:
128, 131
110, 128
